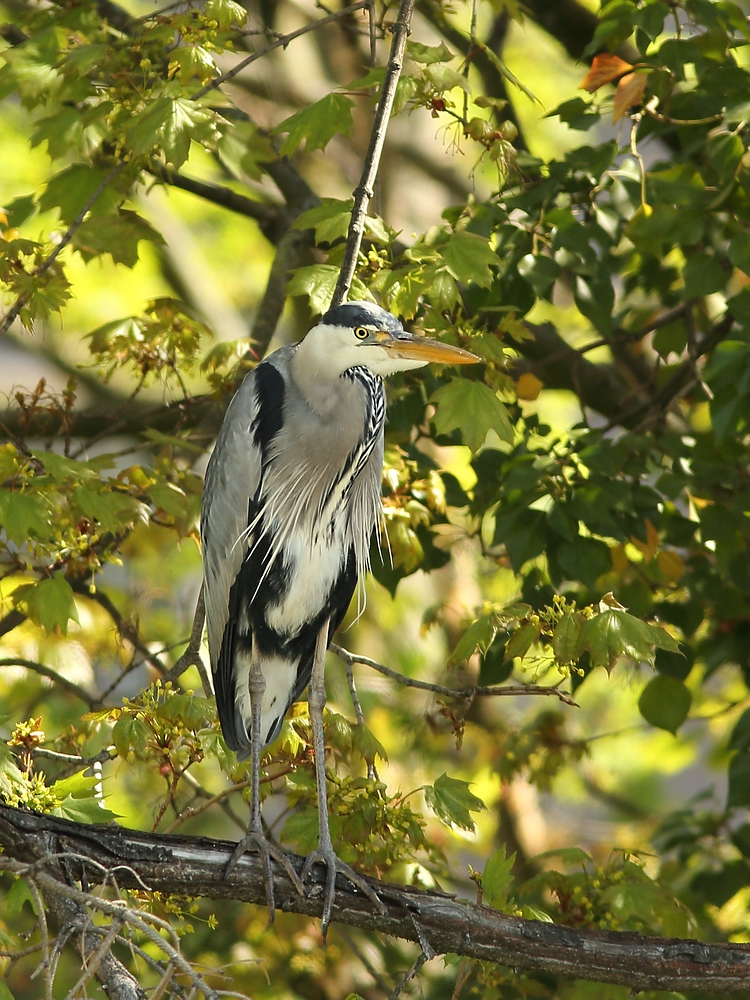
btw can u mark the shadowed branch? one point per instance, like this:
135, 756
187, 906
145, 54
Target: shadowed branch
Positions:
438, 922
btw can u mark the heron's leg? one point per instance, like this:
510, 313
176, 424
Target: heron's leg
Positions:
325, 852
255, 839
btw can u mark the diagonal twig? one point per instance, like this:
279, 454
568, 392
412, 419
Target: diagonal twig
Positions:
279, 43
47, 263
365, 189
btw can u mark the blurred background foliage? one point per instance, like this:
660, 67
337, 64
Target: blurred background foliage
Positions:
573, 514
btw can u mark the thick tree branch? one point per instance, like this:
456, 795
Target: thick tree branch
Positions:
438, 922
292, 245
366, 187
273, 220
560, 366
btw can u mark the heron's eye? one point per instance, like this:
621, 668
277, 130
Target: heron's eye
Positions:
360, 333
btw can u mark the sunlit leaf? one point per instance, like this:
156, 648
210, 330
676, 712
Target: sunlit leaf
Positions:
452, 801
474, 409
604, 68
317, 124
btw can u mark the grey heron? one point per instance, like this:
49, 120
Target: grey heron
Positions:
291, 498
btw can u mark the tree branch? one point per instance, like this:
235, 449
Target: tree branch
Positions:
465, 694
366, 187
62, 682
272, 219
279, 43
47, 263
439, 922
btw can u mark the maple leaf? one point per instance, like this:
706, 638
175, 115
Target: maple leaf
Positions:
629, 92
604, 68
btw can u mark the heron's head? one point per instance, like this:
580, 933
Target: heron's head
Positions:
362, 333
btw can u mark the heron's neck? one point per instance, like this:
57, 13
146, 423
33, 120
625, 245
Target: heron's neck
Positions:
317, 378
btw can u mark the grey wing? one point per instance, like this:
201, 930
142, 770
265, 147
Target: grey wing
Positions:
232, 481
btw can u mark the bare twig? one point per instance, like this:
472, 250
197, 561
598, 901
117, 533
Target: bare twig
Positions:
365, 189
62, 682
467, 694
47, 263
192, 657
279, 43
408, 975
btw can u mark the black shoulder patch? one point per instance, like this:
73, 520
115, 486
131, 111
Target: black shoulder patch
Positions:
270, 390
351, 314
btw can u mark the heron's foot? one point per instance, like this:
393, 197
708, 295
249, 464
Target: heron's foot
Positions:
334, 865
257, 842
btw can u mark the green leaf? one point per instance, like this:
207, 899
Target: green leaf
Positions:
474, 409
585, 559
443, 78
10, 774
61, 131
301, 829
566, 636
19, 210
452, 801
110, 509
18, 894
22, 515
316, 124
521, 641
329, 219
5, 993
117, 234
540, 271
665, 702
703, 275
739, 252
72, 188
366, 744
739, 780
427, 54
740, 738
49, 603
79, 810
469, 257
523, 534
171, 123
478, 635
497, 879
243, 149
615, 633
226, 12
130, 733
318, 282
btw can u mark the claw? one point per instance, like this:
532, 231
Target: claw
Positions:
334, 865
254, 841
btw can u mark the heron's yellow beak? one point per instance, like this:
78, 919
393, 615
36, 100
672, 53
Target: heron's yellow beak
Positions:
406, 345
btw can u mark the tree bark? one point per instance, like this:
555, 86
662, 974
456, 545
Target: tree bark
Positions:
438, 922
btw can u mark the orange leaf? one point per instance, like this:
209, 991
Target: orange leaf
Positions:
604, 69
649, 547
629, 92
670, 564
528, 386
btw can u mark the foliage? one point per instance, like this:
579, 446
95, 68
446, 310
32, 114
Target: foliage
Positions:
577, 501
